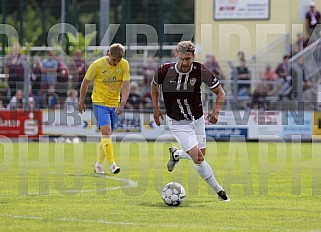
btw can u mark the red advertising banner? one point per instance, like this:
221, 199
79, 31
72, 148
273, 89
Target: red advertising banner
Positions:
15, 123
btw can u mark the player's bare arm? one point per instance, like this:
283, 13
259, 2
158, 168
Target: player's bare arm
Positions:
220, 98
155, 97
124, 97
83, 91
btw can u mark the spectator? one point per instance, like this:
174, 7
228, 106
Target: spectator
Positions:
1, 105
241, 55
3, 88
32, 103
36, 80
212, 64
62, 78
147, 99
312, 19
317, 54
243, 75
51, 98
49, 75
16, 102
71, 102
267, 77
299, 44
283, 69
135, 100
14, 70
259, 97
148, 72
299, 73
77, 69
283, 87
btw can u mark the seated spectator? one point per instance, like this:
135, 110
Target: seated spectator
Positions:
135, 100
3, 88
71, 102
283, 87
32, 103
267, 77
259, 98
268, 74
16, 102
283, 69
51, 99
147, 99
1, 105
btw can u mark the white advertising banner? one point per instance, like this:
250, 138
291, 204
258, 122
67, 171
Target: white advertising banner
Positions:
231, 123
61, 122
241, 9
264, 123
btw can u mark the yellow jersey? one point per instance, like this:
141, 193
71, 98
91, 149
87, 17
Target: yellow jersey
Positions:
107, 81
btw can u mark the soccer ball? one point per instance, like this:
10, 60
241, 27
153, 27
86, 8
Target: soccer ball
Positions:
173, 194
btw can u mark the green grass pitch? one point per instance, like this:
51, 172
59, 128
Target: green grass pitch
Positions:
52, 187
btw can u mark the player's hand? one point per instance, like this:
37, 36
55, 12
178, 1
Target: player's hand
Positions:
81, 107
213, 117
157, 113
120, 108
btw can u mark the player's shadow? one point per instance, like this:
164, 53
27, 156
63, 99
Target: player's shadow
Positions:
187, 203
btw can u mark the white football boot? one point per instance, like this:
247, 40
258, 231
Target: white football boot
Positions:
114, 168
172, 161
99, 168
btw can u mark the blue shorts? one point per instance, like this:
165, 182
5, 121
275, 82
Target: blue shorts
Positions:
105, 116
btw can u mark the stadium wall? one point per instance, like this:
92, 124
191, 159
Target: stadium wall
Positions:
250, 125
245, 125
226, 37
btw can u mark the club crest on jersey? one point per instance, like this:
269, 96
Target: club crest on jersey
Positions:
192, 81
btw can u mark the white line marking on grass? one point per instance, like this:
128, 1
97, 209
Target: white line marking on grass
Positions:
69, 220
98, 221
129, 184
135, 224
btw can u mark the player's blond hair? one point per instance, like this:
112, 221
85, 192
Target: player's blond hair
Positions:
117, 50
185, 46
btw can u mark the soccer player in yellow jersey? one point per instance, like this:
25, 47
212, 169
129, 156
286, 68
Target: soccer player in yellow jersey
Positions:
111, 77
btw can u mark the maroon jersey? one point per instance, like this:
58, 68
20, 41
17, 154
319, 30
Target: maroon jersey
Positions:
182, 91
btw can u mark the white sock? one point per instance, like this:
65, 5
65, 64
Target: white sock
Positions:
206, 172
180, 154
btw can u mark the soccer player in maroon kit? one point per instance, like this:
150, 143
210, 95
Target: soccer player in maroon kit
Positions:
181, 87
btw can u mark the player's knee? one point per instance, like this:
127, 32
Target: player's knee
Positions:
200, 159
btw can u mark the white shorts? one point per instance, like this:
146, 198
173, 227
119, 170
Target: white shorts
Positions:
188, 133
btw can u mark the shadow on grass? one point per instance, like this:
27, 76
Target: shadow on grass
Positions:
187, 203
